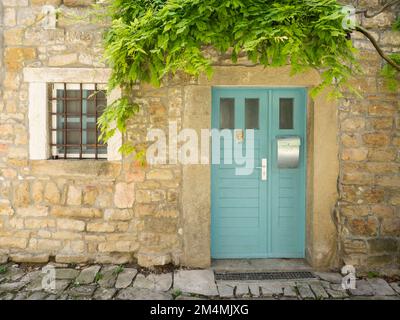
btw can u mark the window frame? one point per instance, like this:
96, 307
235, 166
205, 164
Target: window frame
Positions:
38, 80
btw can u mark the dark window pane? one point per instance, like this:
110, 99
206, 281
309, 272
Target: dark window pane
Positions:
73, 94
286, 113
91, 137
251, 113
73, 106
73, 137
227, 113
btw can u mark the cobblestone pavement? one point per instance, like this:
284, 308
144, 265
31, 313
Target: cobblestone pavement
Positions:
126, 283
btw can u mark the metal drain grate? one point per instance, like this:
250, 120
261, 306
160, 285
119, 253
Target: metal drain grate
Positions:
285, 275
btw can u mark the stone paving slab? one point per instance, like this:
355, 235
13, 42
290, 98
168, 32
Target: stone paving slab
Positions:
142, 294
305, 291
337, 294
156, 282
66, 274
104, 293
289, 291
226, 290
381, 287
396, 286
107, 276
242, 290
363, 288
125, 278
319, 291
330, 276
200, 282
108, 282
87, 275
270, 289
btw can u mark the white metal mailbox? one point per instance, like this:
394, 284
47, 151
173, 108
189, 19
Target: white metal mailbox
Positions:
288, 151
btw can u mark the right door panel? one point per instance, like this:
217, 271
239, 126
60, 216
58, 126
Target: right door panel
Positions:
287, 183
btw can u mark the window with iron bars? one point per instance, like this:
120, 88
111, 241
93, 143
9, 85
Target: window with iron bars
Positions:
74, 109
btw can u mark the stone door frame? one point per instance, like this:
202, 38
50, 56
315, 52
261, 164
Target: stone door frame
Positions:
322, 163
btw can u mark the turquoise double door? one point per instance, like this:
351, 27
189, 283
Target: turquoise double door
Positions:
258, 177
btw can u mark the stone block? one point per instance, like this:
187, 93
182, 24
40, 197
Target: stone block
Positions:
45, 245
21, 195
75, 212
71, 258
70, 224
153, 259
6, 210
379, 261
52, 193
382, 110
363, 227
381, 123
74, 197
89, 195
63, 60
354, 154
355, 246
383, 20
33, 223
357, 178
13, 243
124, 196
29, 258
382, 211
13, 37
160, 174
15, 57
118, 214
33, 211
118, 246
9, 17
353, 124
388, 181
382, 154
391, 227
37, 191
100, 227
382, 245
376, 139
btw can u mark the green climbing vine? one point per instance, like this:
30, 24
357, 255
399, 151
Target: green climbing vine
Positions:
149, 39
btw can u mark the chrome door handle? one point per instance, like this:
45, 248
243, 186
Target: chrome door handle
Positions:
263, 169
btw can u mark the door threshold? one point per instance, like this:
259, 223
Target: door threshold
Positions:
259, 265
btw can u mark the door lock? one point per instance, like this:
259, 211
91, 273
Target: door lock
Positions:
263, 169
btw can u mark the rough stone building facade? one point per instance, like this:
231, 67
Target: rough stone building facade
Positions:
117, 211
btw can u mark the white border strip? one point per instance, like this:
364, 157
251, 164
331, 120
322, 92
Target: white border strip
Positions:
38, 78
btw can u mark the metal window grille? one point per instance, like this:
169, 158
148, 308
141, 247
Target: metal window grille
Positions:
74, 110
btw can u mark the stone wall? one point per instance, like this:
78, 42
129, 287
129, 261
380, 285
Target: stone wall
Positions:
369, 181
83, 211
76, 211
